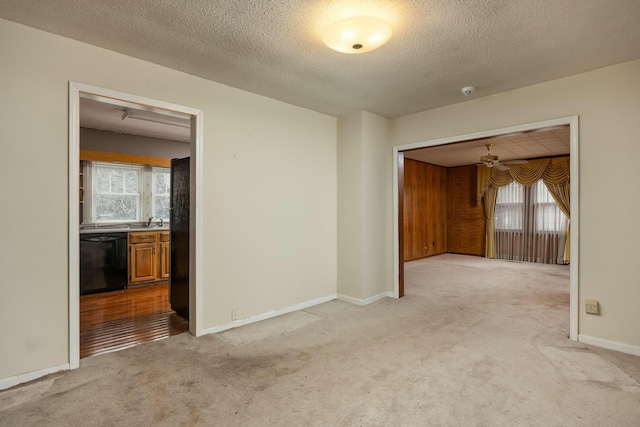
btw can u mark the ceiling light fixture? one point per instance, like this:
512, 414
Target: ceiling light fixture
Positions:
156, 117
357, 34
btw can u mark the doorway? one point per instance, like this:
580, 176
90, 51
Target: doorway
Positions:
76, 91
398, 178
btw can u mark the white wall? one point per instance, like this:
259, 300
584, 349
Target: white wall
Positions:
102, 140
269, 191
608, 104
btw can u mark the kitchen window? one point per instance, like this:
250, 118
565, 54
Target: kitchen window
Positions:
125, 193
161, 184
116, 195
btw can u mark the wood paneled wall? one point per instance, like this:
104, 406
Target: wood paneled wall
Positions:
439, 211
424, 210
465, 220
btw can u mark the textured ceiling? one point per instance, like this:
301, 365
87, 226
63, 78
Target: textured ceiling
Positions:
274, 48
547, 142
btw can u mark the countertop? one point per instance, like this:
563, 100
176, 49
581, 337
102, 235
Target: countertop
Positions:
86, 229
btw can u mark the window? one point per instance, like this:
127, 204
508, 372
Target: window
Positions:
529, 226
116, 192
511, 212
161, 186
510, 207
549, 217
125, 193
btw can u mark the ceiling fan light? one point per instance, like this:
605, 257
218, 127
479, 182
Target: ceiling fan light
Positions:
357, 35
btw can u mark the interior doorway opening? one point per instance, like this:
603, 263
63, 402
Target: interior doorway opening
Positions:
399, 177
147, 266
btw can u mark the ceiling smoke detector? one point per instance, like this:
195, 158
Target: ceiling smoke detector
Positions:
468, 90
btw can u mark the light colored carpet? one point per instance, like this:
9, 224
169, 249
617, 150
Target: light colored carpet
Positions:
474, 342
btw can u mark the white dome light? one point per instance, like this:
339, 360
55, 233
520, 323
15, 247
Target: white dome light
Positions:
357, 35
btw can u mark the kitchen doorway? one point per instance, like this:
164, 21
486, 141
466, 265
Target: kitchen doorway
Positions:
149, 251
398, 182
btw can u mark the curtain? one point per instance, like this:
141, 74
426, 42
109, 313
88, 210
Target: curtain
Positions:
553, 172
529, 226
490, 196
509, 217
560, 193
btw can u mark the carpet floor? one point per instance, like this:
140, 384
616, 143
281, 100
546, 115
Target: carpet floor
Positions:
474, 342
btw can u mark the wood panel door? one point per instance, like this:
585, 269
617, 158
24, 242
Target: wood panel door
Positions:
142, 262
179, 237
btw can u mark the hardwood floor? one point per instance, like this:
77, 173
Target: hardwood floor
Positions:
117, 320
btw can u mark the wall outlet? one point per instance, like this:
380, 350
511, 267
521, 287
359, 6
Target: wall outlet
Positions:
235, 313
591, 306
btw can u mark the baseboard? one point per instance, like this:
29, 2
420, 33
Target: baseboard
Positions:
610, 345
366, 301
6, 383
269, 315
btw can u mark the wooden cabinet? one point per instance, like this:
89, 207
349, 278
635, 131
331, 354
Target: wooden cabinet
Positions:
148, 257
164, 255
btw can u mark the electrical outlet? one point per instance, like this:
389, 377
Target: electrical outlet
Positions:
235, 314
591, 306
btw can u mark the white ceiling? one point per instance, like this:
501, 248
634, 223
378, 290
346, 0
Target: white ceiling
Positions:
548, 142
274, 48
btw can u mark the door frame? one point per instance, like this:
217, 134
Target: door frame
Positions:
572, 121
195, 245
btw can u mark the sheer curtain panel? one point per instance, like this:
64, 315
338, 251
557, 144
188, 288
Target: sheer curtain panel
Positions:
529, 225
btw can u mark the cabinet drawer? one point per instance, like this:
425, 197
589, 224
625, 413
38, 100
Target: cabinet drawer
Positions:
164, 237
142, 237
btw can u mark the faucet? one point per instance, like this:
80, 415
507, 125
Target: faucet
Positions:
149, 222
161, 222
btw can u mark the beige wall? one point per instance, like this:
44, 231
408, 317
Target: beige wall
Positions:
375, 134
362, 205
349, 173
272, 184
269, 191
607, 102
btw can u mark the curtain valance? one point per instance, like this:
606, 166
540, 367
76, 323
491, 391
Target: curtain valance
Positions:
553, 171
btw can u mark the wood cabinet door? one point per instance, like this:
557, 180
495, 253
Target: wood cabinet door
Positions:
164, 260
142, 262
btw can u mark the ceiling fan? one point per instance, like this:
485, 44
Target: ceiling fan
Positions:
492, 161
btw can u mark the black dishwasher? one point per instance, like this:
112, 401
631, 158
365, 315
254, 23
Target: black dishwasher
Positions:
103, 262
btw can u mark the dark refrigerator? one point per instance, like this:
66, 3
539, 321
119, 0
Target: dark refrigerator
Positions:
179, 230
